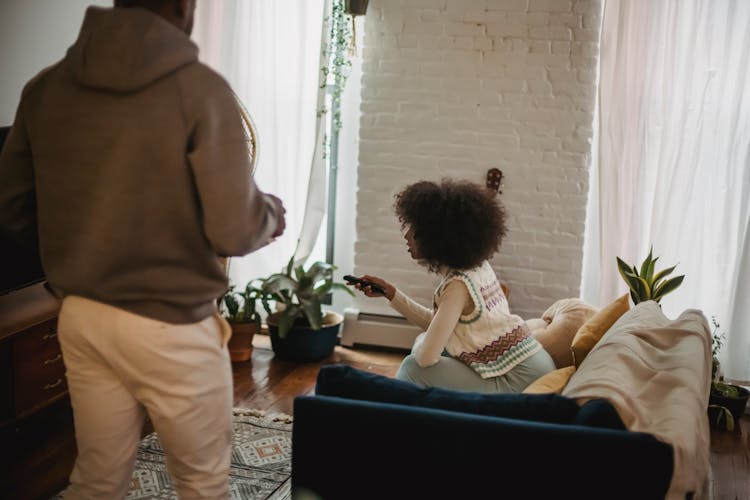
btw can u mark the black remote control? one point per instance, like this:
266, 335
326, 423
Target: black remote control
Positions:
375, 288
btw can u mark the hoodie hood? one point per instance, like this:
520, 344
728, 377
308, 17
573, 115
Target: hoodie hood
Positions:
125, 50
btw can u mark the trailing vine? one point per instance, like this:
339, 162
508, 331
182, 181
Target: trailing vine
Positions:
337, 62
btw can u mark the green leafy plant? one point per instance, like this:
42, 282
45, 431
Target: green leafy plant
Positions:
240, 306
726, 390
300, 292
722, 417
717, 342
646, 284
722, 393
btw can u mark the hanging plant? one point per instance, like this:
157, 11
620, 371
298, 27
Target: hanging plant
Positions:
336, 57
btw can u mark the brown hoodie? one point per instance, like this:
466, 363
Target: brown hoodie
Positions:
130, 159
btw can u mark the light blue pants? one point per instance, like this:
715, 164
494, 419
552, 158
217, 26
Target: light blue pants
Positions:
450, 373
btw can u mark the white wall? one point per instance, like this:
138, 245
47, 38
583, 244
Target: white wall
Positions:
33, 35
456, 87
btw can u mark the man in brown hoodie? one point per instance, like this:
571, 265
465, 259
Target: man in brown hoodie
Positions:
128, 165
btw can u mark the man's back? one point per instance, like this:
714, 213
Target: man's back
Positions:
141, 169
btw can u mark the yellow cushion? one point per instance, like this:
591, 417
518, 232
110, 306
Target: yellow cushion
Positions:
553, 382
595, 327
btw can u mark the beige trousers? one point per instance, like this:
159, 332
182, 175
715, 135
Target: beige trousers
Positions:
119, 366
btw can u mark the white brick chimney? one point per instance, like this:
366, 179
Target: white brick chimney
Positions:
456, 87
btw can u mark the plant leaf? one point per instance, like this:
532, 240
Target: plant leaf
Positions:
724, 414
304, 287
342, 286
662, 274
635, 283
646, 264
668, 286
312, 310
624, 270
299, 272
726, 390
264, 302
645, 289
324, 288
277, 283
286, 319
320, 270
291, 262
650, 272
233, 305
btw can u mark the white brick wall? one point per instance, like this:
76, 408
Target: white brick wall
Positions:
456, 87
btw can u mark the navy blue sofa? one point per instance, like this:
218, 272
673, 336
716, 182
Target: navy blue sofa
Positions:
367, 436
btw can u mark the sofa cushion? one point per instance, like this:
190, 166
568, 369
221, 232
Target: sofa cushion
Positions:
599, 413
557, 327
551, 383
595, 327
348, 382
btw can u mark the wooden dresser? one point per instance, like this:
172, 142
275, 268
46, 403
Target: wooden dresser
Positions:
32, 374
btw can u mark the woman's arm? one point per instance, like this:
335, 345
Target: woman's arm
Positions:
415, 313
430, 345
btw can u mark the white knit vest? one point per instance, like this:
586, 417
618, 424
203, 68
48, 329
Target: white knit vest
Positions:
490, 339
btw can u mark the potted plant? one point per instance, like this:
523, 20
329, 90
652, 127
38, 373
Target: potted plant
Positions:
726, 402
238, 307
299, 329
647, 284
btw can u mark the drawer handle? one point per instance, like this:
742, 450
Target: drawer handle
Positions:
53, 360
48, 336
47, 387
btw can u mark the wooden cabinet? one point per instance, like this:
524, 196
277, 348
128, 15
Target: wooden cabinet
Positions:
32, 374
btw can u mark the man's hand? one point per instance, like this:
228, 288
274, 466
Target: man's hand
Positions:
281, 216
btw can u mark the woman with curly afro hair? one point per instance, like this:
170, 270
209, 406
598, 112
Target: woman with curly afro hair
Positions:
471, 341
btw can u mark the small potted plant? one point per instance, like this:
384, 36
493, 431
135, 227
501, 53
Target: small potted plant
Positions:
726, 402
647, 284
300, 329
239, 309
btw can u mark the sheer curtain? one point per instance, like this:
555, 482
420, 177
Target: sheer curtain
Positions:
672, 159
269, 52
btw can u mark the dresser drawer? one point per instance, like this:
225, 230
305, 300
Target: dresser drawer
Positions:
36, 383
37, 343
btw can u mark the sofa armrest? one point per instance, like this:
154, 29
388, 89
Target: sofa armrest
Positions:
345, 448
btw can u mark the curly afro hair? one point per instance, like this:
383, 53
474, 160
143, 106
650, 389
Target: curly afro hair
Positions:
458, 224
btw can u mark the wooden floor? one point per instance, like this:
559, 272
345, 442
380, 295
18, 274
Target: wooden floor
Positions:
38, 454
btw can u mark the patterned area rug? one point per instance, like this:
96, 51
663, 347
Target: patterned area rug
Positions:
261, 461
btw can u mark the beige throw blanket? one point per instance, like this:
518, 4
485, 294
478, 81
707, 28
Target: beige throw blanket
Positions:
656, 372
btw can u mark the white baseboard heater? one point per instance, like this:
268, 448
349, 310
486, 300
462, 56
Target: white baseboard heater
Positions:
377, 330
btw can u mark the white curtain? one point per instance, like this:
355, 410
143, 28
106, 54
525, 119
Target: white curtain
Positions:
270, 53
671, 165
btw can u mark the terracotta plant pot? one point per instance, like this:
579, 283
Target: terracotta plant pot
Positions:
241, 343
302, 343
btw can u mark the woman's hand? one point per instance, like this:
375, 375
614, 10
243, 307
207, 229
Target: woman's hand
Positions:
389, 289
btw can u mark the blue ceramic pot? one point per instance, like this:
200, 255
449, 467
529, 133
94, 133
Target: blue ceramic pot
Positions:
302, 343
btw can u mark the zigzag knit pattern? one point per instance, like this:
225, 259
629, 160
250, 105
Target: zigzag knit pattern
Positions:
502, 354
